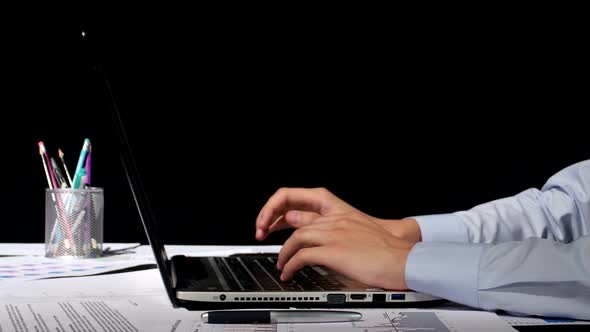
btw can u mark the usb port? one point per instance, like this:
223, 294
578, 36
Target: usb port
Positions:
336, 298
398, 296
358, 296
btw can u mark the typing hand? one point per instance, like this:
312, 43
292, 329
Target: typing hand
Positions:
297, 207
350, 245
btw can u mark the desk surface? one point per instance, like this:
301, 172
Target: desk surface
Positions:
38, 249
141, 283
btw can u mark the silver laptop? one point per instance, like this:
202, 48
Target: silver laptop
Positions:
252, 280
249, 280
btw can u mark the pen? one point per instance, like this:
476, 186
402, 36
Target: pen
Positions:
83, 178
47, 163
87, 165
61, 181
77, 173
56, 198
278, 316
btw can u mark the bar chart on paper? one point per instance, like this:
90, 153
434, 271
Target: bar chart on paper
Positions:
540, 321
15, 269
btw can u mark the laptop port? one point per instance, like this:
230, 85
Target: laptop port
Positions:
378, 298
336, 298
358, 296
398, 296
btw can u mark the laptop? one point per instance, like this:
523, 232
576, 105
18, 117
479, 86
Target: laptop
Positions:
247, 280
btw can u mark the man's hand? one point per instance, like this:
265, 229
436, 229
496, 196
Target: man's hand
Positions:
332, 233
296, 207
349, 244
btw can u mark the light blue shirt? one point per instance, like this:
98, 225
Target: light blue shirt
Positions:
525, 254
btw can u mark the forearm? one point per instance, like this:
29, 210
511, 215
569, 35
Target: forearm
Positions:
551, 214
559, 211
535, 277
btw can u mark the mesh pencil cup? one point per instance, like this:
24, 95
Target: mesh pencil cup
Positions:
74, 222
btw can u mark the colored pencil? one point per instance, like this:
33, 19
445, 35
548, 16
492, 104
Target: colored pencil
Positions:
61, 156
41, 153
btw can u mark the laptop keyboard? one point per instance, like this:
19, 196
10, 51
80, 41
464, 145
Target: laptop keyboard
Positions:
260, 274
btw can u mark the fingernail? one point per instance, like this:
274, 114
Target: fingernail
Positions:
282, 277
278, 266
259, 234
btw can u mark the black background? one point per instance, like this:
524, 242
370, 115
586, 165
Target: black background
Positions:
401, 111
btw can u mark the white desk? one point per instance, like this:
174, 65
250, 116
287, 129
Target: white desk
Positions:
137, 297
137, 301
37, 249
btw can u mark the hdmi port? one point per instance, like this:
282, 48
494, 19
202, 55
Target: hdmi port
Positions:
358, 296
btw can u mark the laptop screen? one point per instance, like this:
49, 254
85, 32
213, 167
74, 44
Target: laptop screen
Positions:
131, 168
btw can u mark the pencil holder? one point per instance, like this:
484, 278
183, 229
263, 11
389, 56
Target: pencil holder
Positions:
74, 222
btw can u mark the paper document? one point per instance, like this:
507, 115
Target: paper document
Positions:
92, 315
379, 320
108, 286
34, 268
38, 249
129, 302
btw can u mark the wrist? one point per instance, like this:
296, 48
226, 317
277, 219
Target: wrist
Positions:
397, 277
403, 262
406, 229
411, 230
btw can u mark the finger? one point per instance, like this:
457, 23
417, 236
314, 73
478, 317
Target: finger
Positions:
332, 222
309, 220
302, 238
285, 199
279, 224
308, 256
297, 218
293, 219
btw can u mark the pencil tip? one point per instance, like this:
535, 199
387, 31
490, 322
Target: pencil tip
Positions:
60, 153
41, 147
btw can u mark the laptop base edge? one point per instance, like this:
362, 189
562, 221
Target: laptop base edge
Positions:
197, 306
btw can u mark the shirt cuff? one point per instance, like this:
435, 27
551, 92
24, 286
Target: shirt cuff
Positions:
447, 270
442, 228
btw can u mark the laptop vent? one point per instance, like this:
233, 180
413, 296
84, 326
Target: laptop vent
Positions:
277, 298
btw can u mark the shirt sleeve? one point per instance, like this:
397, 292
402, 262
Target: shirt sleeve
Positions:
559, 211
532, 277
